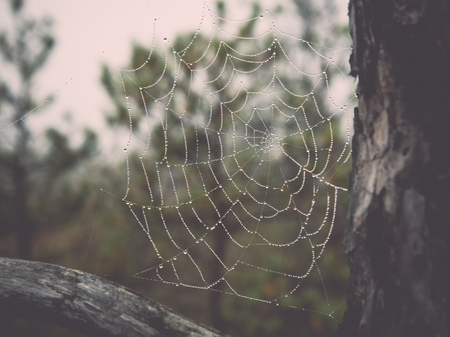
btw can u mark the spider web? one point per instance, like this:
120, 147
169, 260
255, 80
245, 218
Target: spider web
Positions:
232, 174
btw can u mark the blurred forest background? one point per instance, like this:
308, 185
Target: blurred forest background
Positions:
55, 206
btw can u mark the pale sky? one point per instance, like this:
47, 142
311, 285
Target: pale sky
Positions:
89, 33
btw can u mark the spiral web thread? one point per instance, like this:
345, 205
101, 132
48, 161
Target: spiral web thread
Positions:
238, 157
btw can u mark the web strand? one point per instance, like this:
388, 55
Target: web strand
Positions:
242, 148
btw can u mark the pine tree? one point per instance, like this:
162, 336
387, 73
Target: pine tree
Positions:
24, 168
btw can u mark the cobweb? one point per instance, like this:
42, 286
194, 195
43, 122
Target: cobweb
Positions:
232, 174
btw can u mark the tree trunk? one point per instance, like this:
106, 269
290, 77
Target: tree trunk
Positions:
398, 233
86, 303
23, 226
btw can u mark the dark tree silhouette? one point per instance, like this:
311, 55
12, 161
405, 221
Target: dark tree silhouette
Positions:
397, 237
27, 173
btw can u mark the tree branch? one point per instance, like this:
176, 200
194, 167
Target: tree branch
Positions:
86, 303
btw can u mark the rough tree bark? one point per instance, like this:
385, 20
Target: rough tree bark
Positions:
86, 303
398, 233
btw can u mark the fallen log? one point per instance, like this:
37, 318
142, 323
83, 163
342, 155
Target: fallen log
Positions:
86, 303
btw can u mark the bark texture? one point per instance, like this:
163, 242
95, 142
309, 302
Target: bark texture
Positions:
86, 303
398, 233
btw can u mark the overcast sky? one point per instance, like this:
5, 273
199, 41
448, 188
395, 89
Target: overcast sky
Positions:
89, 33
